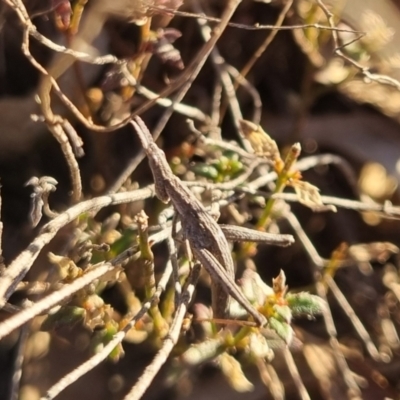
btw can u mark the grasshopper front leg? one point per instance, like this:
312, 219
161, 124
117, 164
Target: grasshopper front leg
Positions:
235, 233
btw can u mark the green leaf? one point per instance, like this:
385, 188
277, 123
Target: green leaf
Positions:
228, 166
283, 329
104, 336
126, 240
254, 288
207, 171
67, 315
201, 352
284, 312
304, 304
204, 315
309, 196
232, 370
259, 348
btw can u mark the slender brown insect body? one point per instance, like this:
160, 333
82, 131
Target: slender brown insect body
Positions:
206, 239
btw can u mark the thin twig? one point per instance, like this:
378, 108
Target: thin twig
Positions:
294, 372
18, 362
185, 82
152, 369
186, 77
172, 252
22, 13
326, 312
387, 209
305, 240
355, 321
343, 367
111, 59
28, 26
259, 52
260, 27
331, 159
57, 129
219, 64
68, 290
223, 144
251, 90
53, 299
95, 360
383, 79
204, 52
61, 137
180, 108
184, 109
268, 40
302, 165
22, 264
215, 109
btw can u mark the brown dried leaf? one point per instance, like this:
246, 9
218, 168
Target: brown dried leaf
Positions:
279, 283
263, 145
309, 196
162, 47
376, 251
259, 348
67, 268
378, 33
232, 370
254, 288
62, 13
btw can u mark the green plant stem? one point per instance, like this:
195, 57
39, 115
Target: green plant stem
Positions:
284, 176
265, 219
242, 334
147, 259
